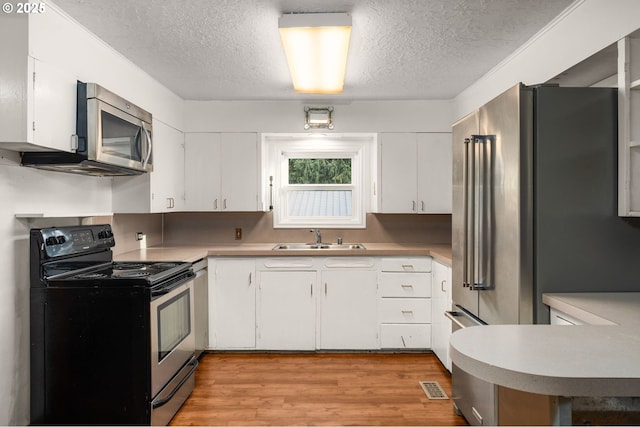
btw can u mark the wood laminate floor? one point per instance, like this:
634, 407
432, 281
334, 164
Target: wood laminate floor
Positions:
317, 389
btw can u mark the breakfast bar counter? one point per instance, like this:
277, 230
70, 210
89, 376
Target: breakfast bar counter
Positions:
593, 366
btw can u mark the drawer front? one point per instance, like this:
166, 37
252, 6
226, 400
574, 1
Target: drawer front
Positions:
405, 310
405, 285
421, 264
405, 336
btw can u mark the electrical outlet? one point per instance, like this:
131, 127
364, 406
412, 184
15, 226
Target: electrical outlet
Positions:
238, 233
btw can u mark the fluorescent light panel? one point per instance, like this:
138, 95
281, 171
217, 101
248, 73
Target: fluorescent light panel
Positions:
316, 47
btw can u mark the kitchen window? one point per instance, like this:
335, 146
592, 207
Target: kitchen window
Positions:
318, 180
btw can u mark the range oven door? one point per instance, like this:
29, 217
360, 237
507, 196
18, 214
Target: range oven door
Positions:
172, 333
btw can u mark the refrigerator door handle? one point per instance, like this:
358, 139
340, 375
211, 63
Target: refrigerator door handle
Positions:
487, 240
468, 215
462, 319
478, 217
482, 211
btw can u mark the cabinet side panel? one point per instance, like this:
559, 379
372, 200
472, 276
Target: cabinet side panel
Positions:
14, 82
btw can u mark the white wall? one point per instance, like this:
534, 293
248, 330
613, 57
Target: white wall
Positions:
584, 29
24, 190
288, 116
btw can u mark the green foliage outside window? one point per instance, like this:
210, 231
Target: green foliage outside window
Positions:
319, 171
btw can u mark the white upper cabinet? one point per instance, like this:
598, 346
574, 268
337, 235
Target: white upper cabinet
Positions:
161, 190
202, 171
37, 99
399, 182
434, 172
221, 172
629, 127
415, 172
167, 178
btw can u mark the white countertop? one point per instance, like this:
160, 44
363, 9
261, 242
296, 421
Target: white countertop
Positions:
561, 360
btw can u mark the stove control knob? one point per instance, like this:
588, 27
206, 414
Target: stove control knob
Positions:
51, 241
60, 239
105, 234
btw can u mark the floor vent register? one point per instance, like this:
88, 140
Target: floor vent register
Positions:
433, 390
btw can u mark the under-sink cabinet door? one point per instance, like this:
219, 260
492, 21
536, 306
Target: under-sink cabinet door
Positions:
349, 318
286, 312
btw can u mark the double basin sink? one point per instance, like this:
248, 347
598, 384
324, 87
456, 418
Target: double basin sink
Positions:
319, 246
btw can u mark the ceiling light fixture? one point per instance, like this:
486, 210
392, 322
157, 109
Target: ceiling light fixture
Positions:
316, 46
318, 118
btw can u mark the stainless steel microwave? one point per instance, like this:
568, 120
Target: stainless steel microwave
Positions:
113, 137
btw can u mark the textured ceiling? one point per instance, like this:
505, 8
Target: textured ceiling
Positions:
230, 49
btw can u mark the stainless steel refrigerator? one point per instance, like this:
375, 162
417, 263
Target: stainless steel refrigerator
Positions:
535, 205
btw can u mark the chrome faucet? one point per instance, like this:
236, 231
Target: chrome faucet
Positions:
318, 235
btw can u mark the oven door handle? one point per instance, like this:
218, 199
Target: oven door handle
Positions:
161, 402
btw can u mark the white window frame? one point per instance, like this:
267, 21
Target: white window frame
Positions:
279, 148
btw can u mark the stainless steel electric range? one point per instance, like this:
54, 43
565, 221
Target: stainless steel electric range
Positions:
111, 342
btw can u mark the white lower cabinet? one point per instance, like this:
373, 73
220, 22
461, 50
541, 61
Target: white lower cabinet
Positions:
286, 311
441, 302
232, 302
405, 336
348, 305
328, 303
405, 303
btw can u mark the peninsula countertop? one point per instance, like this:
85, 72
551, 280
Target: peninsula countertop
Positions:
560, 360
441, 253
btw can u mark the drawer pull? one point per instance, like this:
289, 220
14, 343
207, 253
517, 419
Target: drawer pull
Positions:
407, 312
407, 266
407, 286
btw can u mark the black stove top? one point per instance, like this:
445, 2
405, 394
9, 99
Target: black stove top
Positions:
114, 273
82, 256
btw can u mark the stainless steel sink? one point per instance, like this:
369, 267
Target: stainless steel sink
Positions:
320, 246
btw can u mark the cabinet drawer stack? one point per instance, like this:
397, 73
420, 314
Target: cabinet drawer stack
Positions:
405, 303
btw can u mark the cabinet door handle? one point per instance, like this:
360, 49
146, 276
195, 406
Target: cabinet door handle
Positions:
224, 204
215, 204
422, 205
403, 343
442, 286
413, 205
311, 288
250, 278
325, 288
